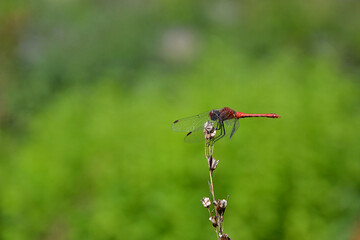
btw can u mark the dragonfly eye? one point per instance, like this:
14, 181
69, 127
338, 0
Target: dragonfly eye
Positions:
214, 115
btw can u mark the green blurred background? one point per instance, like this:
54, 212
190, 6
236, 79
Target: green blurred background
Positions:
89, 89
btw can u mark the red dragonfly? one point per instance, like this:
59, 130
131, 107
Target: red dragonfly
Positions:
224, 120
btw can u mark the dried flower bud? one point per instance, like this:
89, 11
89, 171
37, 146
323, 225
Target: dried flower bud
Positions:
220, 206
212, 163
209, 130
224, 236
222, 203
213, 221
209, 126
206, 202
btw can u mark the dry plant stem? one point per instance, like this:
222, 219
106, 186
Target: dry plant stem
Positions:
218, 206
213, 196
212, 185
209, 148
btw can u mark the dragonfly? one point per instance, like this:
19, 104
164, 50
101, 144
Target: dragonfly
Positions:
225, 121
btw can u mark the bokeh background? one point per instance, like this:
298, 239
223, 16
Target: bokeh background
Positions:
89, 89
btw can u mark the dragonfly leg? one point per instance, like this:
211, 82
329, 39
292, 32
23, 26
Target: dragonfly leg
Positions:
222, 132
218, 126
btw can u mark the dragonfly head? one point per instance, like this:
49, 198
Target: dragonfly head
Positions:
214, 115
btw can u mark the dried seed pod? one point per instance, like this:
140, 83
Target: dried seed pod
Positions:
212, 163
206, 202
224, 236
209, 130
213, 221
221, 206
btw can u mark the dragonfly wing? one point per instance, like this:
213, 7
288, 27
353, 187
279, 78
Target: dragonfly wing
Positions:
195, 136
190, 124
198, 134
231, 126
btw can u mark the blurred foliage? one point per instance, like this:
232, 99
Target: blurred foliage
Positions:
88, 91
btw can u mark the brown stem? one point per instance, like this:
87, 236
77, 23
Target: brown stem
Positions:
212, 185
219, 207
209, 147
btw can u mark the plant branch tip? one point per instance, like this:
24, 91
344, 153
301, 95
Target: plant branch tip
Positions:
209, 130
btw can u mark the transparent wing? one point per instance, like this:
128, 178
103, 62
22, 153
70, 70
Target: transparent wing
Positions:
190, 124
231, 126
196, 136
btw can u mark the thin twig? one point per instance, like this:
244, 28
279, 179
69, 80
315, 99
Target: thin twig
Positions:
220, 205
